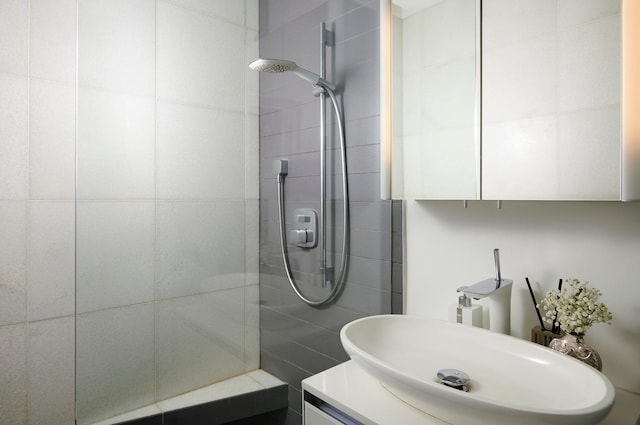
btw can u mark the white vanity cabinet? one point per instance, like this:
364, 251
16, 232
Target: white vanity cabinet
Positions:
346, 395
523, 100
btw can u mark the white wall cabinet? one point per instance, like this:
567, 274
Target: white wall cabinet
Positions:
541, 121
551, 100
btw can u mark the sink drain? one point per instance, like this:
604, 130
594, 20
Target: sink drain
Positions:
454, 378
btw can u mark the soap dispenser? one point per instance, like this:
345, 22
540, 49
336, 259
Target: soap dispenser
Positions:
465, 312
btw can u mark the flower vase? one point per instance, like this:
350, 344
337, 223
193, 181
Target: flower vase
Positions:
574, 346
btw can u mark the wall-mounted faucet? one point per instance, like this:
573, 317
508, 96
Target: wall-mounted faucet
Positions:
498, 291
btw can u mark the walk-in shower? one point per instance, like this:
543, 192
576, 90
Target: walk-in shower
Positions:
308, 238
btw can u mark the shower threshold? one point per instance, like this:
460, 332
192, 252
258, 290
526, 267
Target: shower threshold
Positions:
252, 394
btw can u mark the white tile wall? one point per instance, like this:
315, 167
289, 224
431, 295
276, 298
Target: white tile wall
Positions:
13, 374
186, 38
119, 176
53, 40
114, 352
115, 146
116, 45
51, 372
251, 327
51, 259
51, 140
200, 340
228, 10
13, 262
200, 247
200, 153
115, 254
14, 36
13, 137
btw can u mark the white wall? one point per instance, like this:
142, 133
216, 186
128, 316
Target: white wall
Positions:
448, 246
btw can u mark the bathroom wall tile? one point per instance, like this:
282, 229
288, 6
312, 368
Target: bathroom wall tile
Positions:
396, 278
116, 49
289, 129
369, 272
13, 259
13, 374
396, 303
303, 333
115, 254
396, 247
359, 48
252, 244
200, 153
362, 78
285, 301
229, 10
252, 156
200, 339
576, 12
252, 14
52, 142
505, 71
195, 252
14, 33
363, 131
368, 215
283, 369
397, 215
185, 38
251, 327
306, 359
115, 146
590, 53
361, 159
53, 40
13, 137
114, 370
52, 372
364, 187
365, 300
51, 259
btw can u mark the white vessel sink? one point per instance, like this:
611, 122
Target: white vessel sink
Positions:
512, 381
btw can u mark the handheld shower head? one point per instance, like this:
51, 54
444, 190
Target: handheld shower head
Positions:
280, 65
272, 65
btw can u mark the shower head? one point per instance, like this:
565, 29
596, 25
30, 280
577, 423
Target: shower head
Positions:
280, 65
272, 65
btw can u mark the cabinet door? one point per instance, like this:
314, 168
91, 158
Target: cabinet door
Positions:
435, 86
551, 99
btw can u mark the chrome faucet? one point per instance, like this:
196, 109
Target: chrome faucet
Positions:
498, 290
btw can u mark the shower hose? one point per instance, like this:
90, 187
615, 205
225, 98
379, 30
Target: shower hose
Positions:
345, 214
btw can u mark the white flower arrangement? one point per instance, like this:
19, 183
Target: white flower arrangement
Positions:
575, 308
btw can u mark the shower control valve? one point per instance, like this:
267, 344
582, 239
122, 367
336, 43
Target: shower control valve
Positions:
300, 236
305, 234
